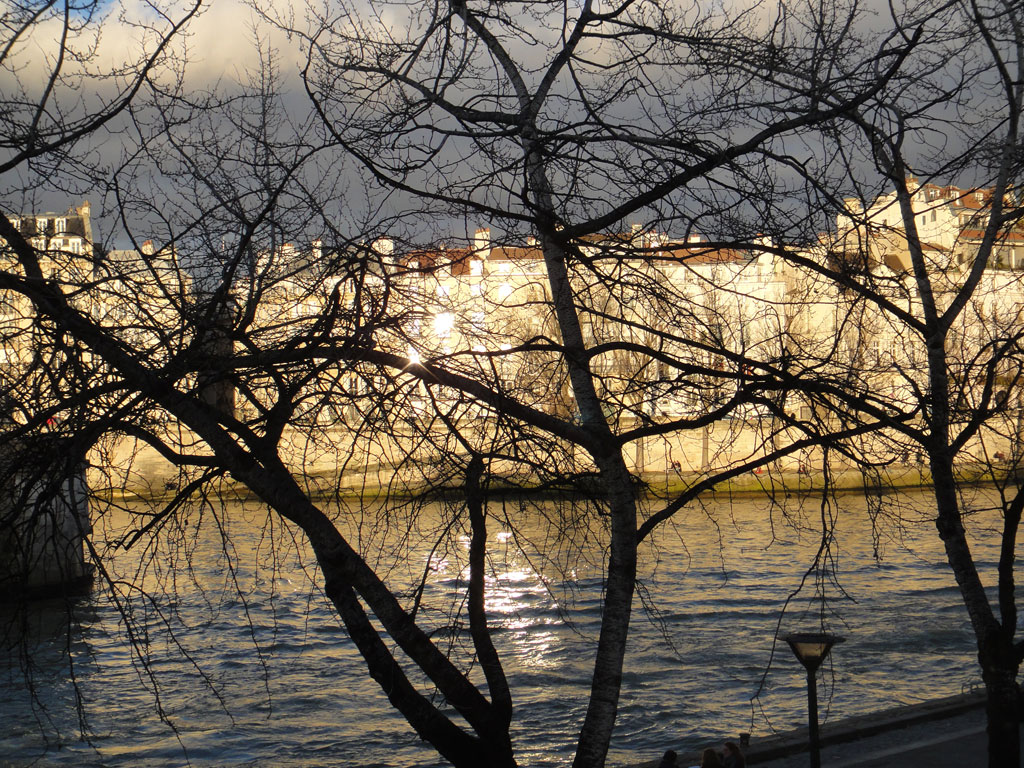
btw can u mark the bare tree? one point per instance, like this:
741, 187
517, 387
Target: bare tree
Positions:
557, 125
923, 272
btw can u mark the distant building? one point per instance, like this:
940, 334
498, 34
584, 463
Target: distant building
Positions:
69, 232
950, 222
483, 307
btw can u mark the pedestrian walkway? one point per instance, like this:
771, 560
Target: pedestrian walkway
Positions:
956, 741
945, 733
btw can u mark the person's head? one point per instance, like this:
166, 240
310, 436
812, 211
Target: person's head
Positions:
733, 751
669, 758
710, 759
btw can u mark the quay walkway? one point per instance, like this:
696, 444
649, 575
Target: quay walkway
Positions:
944, 733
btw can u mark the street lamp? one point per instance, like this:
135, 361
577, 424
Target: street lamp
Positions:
811, 648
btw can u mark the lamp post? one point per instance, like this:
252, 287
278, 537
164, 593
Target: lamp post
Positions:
811, 648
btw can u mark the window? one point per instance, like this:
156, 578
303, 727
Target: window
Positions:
16, 223
476, 267
41, 224
443, 324
933, 215
60, 225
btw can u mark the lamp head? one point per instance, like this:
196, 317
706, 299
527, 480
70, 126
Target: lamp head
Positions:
811, 648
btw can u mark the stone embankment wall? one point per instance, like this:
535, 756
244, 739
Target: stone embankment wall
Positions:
44, 523
330, 464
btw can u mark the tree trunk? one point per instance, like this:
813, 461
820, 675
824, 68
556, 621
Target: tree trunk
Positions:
996, 654
620, 582
497, 736
595, 736
1002, 710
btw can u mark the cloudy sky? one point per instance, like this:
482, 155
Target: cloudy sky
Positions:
222, 49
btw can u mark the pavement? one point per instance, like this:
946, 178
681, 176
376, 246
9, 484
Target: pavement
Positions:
944, 733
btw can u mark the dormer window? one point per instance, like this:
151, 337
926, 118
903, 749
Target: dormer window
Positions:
60, 225
979, 196
41, 223
16, 223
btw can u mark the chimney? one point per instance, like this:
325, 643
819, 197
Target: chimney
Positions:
85, 211
482, 242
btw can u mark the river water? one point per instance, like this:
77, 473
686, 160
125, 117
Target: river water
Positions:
232, 657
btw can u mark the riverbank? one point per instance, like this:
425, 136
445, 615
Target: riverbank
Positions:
333, 467
153, 479
942, 733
